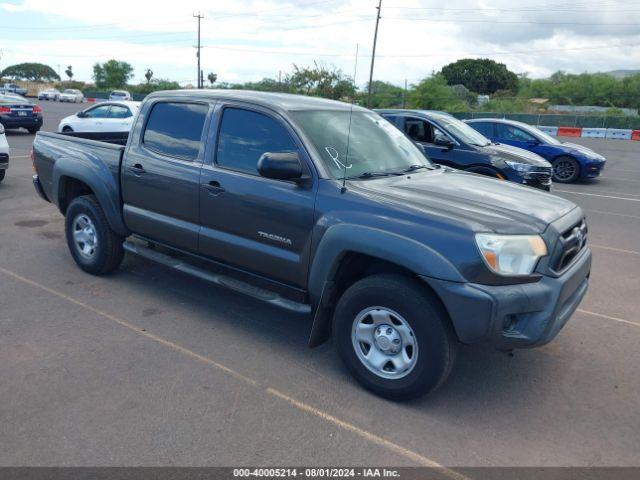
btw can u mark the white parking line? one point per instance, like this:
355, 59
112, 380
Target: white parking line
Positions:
603, 191
621, 250
608, 317
611, 213
602, 196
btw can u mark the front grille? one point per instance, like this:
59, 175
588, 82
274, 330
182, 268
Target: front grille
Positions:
541, 175
572, 242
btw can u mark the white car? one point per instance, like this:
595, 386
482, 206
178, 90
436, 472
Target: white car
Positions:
120, 95
49, 94
103, 117
4, 153
72, 95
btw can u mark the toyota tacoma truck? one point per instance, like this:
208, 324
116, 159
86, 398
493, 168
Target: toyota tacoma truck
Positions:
328, 210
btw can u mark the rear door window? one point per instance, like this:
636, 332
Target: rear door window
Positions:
175, 129
119, 111
245, 135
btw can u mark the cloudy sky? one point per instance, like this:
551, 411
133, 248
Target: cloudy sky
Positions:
250, 39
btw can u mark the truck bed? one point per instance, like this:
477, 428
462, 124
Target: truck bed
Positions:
56, 154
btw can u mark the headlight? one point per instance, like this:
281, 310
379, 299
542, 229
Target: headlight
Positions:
520, 167
511, 254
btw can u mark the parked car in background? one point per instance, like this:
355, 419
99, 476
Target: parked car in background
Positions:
120, 95
13, 88
72, 95
103, 117
325, 209
4, 153
451, 142
570, 161
49, 94
18, 112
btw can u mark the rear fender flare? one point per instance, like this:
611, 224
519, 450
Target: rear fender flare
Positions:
95, 174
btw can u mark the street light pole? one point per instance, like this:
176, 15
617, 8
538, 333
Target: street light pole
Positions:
373, 53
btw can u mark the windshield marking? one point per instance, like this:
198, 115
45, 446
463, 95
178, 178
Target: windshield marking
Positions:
335, 156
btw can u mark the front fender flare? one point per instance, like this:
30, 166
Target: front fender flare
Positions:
342, 239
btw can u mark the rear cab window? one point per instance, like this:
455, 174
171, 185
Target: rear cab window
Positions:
175, 129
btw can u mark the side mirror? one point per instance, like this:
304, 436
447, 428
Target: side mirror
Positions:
280, 165
534, 142
445, 142
81, 114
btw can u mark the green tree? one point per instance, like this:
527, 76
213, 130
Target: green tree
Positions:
321, 81
112, 74
433, 93
212, 77
480, 75
383, 95
148, 74
153, 86
69, 72
35, 72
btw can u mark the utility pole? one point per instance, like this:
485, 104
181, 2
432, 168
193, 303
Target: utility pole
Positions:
199, 16
373, 53
404, 95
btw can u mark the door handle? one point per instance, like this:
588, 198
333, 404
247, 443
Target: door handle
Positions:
214, 188
137, 169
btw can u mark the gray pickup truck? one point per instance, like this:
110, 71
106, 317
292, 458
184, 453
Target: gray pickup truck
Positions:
328, 210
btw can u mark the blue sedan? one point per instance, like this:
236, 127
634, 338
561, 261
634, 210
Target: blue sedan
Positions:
570, 161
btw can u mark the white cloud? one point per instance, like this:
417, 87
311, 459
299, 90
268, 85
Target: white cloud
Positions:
239, 36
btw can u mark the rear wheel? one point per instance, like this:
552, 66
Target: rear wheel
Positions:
394, 337
565, 170
2, 173
93, 245
33, 130
67, 128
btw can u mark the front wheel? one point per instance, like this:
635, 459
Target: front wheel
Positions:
565, 170
33, 130
93, 245
2, 174
394, 336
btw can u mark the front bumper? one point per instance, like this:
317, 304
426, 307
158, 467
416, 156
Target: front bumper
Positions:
515, 316
592, 168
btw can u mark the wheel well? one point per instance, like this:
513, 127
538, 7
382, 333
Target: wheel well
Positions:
355, 266
70, 188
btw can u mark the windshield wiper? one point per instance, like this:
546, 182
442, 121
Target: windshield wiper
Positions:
413, 168
374, 174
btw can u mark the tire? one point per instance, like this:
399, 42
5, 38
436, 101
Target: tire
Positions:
565, 170
397, 302
67, 128
2, 174
33, 130
101, 251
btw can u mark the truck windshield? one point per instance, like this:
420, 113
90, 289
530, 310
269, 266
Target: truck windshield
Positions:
375, 146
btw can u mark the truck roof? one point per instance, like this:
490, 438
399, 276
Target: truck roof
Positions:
281, 101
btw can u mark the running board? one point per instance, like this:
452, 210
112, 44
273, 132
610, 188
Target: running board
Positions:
222, 280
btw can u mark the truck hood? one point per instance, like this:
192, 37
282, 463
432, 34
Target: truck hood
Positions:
481, 203
515, 154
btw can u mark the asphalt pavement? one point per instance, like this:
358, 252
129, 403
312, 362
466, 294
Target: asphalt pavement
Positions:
148, 367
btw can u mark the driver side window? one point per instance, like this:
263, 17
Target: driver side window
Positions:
101, 111
509, 132
245, 135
